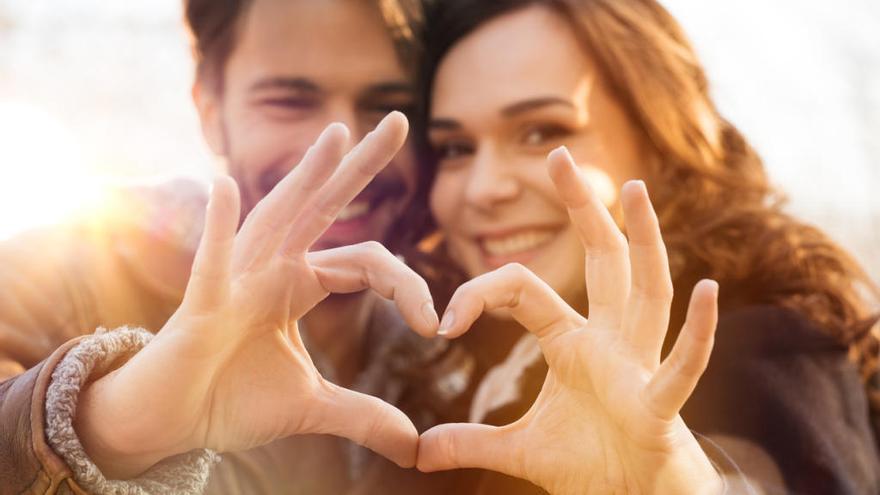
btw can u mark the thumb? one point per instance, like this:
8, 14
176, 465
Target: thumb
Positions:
466, 445
368, 421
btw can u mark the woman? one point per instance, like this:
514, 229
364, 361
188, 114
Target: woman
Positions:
620, 86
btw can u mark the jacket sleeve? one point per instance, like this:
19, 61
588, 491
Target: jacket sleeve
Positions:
27, 462
779, 382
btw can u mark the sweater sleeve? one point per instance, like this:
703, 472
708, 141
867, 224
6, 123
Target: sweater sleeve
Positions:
184, 474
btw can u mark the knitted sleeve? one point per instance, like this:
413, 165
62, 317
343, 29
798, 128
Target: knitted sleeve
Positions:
184, 474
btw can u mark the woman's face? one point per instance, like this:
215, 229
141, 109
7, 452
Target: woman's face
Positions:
504, 97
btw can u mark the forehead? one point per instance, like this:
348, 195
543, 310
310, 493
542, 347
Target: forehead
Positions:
332, 41
532, 52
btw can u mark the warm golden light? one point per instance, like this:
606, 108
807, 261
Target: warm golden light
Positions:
42, 176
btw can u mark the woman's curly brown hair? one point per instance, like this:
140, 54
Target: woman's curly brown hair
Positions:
720, 216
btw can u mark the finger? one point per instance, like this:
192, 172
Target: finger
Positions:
676, 378
367, 421
358, 169
209, 280
646, 318
531, 302
268, 224
607, 263
370, 266
467, 445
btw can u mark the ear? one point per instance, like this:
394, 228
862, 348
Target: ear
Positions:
209, 105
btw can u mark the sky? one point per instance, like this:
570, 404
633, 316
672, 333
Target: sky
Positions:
95, 92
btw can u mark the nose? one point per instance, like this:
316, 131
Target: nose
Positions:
490, 183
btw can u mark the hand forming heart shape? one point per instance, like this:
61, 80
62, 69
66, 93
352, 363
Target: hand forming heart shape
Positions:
229, 370
607, 418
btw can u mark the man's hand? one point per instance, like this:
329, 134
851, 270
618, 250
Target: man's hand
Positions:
229, 370
606, 419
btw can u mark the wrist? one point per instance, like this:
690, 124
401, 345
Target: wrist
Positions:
688, 472
109, 442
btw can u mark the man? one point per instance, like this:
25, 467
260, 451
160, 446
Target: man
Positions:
271, 75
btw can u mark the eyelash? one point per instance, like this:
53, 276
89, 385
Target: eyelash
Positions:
290, 103
452, 150
455, 149
551, 133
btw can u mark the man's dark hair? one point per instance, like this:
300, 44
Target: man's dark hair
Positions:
213, 26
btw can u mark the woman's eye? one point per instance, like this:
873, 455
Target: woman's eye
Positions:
542, 134
452, 150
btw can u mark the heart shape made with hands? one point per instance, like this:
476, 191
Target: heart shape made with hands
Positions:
229, 370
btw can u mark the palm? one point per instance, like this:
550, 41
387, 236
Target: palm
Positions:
606, 419
610, 413
256, 392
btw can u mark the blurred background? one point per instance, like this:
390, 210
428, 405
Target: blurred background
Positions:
95, 92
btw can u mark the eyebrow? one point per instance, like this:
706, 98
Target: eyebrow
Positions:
390, 88
535, 103
445, 124
286, 83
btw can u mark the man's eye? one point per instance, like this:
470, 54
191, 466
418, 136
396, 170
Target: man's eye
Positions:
539, 135
291, 103
452, 150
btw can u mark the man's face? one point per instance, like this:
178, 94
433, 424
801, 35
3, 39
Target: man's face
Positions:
297, 66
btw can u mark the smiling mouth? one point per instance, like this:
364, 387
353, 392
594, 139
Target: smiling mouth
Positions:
380, 191
517, 247
356, 210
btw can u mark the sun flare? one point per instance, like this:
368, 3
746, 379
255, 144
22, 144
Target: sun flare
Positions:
43, 178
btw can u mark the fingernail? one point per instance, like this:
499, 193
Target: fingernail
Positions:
430, 315
716, 288
562, 150
446, 324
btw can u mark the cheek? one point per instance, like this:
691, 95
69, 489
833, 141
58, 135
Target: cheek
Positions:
259, 157
445, 198
404, 166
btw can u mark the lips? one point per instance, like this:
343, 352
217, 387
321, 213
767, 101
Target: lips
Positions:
519, 242
515, 246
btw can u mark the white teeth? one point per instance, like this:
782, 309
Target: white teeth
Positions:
517, 243
354, 211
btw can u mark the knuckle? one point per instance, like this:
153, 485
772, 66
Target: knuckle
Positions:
374, 428
375, 251
448, 446
661, 291
375, 247
516, 270
687, 368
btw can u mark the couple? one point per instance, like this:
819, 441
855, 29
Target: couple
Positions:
538, 116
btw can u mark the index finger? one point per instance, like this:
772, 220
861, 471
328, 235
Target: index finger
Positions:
531, 302
358, 169
370, 266
268, 223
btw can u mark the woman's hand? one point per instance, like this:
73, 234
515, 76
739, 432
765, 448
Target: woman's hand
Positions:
606, 419
229, 371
